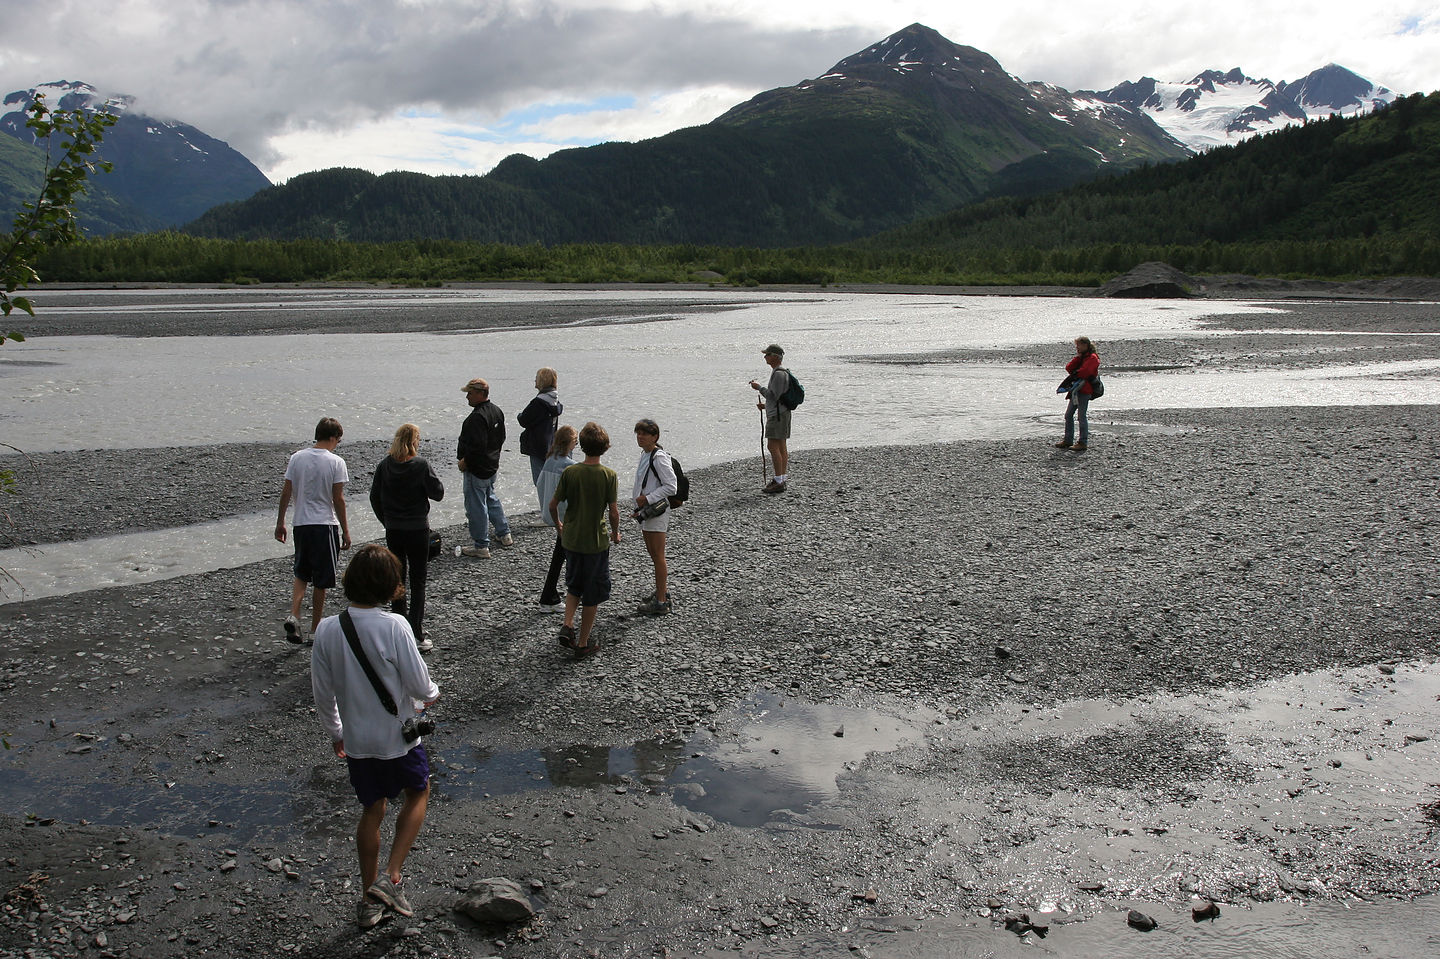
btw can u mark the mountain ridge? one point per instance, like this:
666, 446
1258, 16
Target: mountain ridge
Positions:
909, 127
906, 128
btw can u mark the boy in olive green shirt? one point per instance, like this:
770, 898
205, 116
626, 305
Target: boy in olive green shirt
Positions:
589, 491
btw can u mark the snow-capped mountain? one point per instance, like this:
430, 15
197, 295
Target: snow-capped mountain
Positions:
1215, 108
169, 170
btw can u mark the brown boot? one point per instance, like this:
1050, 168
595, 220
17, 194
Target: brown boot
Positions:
1062, 446
1078, 447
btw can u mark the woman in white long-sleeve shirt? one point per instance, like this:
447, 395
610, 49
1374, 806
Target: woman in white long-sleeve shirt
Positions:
654, 482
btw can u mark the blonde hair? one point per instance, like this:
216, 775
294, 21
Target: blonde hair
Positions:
1084, 345
564, 441
406, 444
546, 378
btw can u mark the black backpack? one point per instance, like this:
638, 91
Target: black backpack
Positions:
1097, 389
682, 482
794, 394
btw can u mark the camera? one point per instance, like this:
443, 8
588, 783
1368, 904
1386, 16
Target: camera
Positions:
415, 727
651, 509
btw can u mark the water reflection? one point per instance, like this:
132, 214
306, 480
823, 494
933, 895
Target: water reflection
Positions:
782, 760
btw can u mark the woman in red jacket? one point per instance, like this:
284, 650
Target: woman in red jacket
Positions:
1082, 369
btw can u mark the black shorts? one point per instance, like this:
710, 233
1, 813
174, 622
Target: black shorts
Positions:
376, 779
587, 575
317, 554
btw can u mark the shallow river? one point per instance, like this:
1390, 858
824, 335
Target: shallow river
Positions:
686, 366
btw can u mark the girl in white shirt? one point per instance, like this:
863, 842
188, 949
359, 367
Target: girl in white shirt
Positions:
654, 482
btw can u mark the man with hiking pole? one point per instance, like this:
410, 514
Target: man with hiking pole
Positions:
777, 416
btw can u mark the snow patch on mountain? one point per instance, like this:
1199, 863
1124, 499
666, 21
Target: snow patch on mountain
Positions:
1217, 109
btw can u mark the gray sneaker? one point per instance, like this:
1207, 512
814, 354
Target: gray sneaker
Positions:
654, 607
369, 913
292, 630
507, 540
476, 552
390, 893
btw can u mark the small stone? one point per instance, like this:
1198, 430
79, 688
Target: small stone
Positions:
1138, 920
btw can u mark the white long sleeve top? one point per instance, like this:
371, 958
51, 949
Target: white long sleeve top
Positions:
346, 702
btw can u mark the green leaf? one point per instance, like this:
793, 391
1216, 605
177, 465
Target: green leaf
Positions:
23, 302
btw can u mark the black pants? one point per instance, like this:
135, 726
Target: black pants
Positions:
413, 548
557, 563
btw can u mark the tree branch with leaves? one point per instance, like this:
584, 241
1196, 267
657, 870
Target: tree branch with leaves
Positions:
50, 219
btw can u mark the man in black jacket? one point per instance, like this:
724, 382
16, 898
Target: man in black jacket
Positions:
478, 455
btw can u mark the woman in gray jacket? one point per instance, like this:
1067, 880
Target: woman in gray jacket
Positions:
559, 459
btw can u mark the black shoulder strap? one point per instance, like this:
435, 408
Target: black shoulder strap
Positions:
385, 698
652, 468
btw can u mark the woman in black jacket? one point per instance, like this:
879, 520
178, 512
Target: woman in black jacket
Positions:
539, 420
400, 495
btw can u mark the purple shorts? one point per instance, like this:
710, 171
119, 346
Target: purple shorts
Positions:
376, 779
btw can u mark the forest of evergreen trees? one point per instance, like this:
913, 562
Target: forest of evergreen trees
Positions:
1333, 199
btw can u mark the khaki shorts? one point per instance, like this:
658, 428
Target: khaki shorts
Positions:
777, 426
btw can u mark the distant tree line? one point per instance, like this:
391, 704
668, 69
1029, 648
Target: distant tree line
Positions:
176, 258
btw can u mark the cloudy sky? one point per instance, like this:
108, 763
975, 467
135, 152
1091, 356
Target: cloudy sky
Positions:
453, 86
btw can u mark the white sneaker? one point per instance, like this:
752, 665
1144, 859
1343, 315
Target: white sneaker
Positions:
292, 630
389, 892
476, 552
425, 645
507, 540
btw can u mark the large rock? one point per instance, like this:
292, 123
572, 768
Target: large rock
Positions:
1152, 281
495, 901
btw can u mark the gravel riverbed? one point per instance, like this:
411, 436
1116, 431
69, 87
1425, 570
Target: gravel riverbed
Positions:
1119, 679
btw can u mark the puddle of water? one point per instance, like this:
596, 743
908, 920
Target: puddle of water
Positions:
780, 759
267, 808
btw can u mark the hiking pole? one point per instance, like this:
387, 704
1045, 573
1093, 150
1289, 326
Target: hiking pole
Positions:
764, 472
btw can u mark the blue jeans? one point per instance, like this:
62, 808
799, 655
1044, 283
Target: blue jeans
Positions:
483, 509
1081, 402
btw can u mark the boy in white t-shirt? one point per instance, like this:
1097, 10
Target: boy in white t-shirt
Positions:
315, 481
